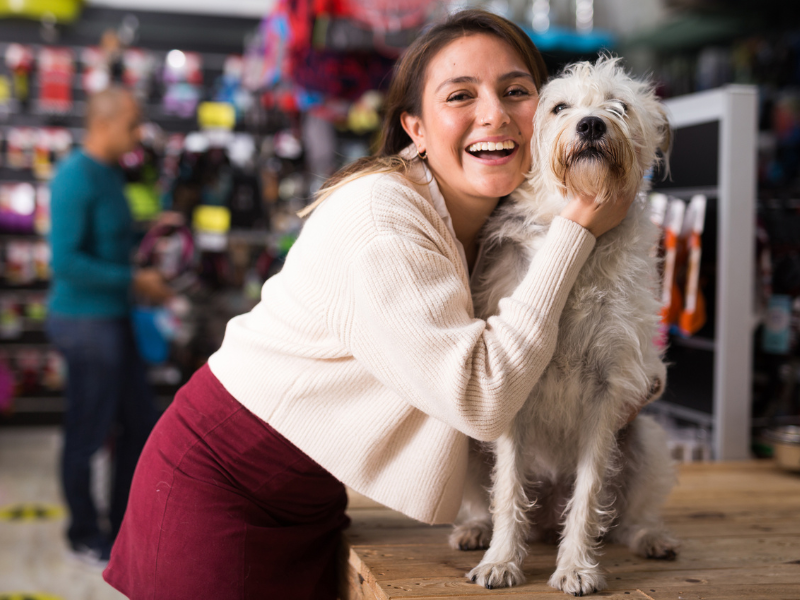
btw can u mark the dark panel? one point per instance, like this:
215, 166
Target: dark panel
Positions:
694, 159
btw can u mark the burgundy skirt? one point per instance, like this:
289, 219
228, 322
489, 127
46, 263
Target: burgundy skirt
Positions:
222, 506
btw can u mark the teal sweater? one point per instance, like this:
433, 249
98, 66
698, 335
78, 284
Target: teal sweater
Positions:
92, 240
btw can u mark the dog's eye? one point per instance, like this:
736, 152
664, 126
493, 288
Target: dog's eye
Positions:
619, 108
558, 108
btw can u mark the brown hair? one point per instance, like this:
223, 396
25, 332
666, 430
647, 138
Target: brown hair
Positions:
408, 81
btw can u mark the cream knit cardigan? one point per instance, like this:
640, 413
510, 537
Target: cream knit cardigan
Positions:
364, 351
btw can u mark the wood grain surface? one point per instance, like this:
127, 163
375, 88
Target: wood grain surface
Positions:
739, 526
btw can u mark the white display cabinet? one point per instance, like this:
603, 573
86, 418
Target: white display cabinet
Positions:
714, 153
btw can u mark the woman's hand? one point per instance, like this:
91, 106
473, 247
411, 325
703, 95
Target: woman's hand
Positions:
597, 218
149, 284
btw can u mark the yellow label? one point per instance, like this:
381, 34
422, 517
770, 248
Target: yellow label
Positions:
61, 10
28, 596
220, 115
30, 512
212, 219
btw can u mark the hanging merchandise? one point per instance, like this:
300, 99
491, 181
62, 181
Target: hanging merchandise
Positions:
693, 315
142, 168
96, 75
35, 309
102, 65
19, 267
229, 88
20, 146
777, 325
170, 249
11, 322
364, 114
28, 370
56, 69
211, 225
671, 300
19, 60
137, 72
41, 216
17, 207
266, 54
54, 371
40, 251
52, 144
337, 74
183, 78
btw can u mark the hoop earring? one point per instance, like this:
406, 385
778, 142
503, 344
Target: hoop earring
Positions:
423, 155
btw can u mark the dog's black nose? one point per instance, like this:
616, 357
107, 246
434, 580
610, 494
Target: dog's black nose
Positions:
591, 128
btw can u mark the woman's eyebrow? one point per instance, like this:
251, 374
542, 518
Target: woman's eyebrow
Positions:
515, 74
462, 79
470, 79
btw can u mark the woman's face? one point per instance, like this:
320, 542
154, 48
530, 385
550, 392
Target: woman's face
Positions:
478, 103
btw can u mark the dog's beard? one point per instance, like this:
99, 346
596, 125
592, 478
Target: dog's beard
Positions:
602, 169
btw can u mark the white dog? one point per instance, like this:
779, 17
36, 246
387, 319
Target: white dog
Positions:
564, 467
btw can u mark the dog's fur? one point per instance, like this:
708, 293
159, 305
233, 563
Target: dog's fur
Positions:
564, 467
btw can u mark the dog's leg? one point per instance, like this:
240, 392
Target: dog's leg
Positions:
647, 478
502, 564
578, 572
473, 530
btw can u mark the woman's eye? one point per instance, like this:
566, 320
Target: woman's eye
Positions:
518, 92
558, 108
457, 97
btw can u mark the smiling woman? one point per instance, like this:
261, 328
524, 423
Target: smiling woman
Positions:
491, 101
363, 363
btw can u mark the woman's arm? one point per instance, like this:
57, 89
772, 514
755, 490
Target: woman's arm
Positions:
412, 328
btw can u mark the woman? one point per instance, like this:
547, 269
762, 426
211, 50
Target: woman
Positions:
363, 363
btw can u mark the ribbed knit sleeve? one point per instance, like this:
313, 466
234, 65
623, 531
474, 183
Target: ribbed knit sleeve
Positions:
412, 328
72, 235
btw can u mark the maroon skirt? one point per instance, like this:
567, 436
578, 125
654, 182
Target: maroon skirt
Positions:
222, 506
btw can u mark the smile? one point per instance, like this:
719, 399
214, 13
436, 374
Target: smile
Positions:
493, 152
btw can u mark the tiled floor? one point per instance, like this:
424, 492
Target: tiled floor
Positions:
33, 553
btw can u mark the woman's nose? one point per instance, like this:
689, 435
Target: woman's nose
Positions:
492, 112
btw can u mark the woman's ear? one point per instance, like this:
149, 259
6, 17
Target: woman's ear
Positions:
413, 127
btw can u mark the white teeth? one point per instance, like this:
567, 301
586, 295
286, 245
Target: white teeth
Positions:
505, 145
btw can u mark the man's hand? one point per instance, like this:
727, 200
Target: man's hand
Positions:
151, 285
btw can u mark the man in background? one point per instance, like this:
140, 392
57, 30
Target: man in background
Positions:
89, 318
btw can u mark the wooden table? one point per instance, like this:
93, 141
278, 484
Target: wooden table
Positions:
739, 525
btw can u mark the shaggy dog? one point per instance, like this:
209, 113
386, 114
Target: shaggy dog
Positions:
565, 467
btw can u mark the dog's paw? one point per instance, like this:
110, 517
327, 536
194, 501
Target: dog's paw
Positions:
472, 535
659, 545
578, 582
496, 575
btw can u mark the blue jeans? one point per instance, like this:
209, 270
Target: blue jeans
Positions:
107, 399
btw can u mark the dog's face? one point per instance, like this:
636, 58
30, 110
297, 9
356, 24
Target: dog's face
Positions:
596, 132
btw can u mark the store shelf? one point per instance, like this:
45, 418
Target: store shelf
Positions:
682, 413
39, 286
698, 343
